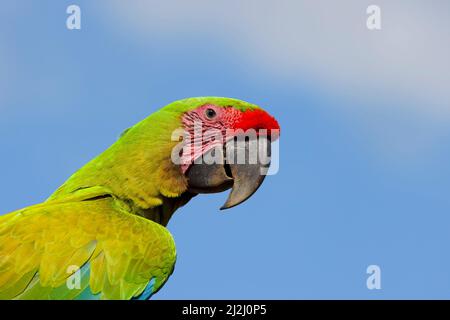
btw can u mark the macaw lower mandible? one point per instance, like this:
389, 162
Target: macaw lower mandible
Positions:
102, 234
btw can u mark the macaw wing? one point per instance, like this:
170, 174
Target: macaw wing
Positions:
83, 249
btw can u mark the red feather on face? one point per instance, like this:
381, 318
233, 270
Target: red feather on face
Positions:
257, 120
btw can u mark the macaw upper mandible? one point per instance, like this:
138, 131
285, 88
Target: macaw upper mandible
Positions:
106, 224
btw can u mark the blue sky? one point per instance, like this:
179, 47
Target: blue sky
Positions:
364, 175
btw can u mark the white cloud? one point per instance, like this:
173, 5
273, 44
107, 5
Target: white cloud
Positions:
396, 79
326, 41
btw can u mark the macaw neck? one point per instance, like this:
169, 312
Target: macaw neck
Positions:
163, 213
138, 171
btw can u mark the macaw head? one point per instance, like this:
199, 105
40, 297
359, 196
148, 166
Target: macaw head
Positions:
225, 143
191, 146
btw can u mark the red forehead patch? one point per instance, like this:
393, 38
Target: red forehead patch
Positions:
257, 119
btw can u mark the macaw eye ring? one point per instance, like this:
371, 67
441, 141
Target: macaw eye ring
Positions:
210, 113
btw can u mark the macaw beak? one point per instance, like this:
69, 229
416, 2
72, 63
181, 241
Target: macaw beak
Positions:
242, 166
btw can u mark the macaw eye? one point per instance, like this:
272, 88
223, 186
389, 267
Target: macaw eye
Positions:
210, 113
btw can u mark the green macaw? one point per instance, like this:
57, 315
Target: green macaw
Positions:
106, 225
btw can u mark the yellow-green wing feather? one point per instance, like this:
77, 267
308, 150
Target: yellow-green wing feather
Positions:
118, 252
